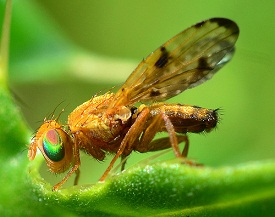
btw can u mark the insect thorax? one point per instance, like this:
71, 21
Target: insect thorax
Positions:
95, 121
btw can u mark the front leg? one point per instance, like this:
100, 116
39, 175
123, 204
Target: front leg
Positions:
75, 169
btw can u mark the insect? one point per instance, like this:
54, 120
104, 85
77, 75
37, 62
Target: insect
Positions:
112, 123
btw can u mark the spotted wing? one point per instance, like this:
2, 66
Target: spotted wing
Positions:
185, 61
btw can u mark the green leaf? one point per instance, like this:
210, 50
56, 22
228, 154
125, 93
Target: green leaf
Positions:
171, 188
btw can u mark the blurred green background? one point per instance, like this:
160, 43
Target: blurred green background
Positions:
79, 48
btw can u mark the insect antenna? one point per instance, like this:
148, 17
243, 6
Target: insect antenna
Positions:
57, 118
51, 115
60, 113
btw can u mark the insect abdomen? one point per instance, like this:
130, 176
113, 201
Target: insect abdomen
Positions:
186, 118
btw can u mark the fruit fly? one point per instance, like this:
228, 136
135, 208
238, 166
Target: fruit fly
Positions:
113, 123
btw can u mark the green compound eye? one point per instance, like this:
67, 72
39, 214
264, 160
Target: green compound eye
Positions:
53, 145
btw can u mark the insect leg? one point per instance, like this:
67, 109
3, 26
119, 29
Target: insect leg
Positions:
163, 143
129, 139
172, 135
146, 144
149, 133
123, 161
77, 175
72, 170
186, 147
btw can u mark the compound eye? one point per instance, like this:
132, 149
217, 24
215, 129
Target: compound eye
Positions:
53, 145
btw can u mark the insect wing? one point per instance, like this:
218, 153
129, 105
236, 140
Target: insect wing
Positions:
185, 61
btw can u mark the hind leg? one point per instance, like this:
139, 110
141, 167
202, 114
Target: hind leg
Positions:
145, 144
164, 143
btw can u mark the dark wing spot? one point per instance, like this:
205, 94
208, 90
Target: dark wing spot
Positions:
221, 22
200, 24
163, 58
203, 64
154, 93
229, 24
